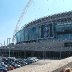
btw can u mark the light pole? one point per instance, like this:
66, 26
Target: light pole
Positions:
8, 39
9, 51
1, 44
4, 43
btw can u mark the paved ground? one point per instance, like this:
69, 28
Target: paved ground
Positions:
65, 66
45, 66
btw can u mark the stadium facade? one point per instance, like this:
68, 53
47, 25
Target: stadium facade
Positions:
46, 37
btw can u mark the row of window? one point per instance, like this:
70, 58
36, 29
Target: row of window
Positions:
64, 27
59, 31
68, 44
34, 33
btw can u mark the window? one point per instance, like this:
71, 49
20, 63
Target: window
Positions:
68, 44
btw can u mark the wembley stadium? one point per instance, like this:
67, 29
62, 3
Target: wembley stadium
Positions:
48, 37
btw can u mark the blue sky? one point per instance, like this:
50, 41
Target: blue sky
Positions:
10, 11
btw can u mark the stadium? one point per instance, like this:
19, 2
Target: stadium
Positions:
48, 37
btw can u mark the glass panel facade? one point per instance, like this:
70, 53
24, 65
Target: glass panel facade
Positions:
64, 31
42, 31
58, 31
26, 35
68, 44
22, 35
17, 37
46, 31
33, 33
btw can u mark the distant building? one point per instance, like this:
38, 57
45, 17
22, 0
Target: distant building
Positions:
46, 37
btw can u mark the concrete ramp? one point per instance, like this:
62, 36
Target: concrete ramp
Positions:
65, 66
68, 63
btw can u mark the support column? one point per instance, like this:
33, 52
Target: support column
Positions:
32, 53
24, 54
44, 54
13, 52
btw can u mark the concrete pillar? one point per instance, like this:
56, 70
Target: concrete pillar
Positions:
32, 53
18, 54
24, 54
44, 54
13, 53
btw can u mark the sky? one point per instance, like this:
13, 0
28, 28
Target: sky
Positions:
10, 11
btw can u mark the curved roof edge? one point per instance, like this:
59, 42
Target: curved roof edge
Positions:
50, 17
